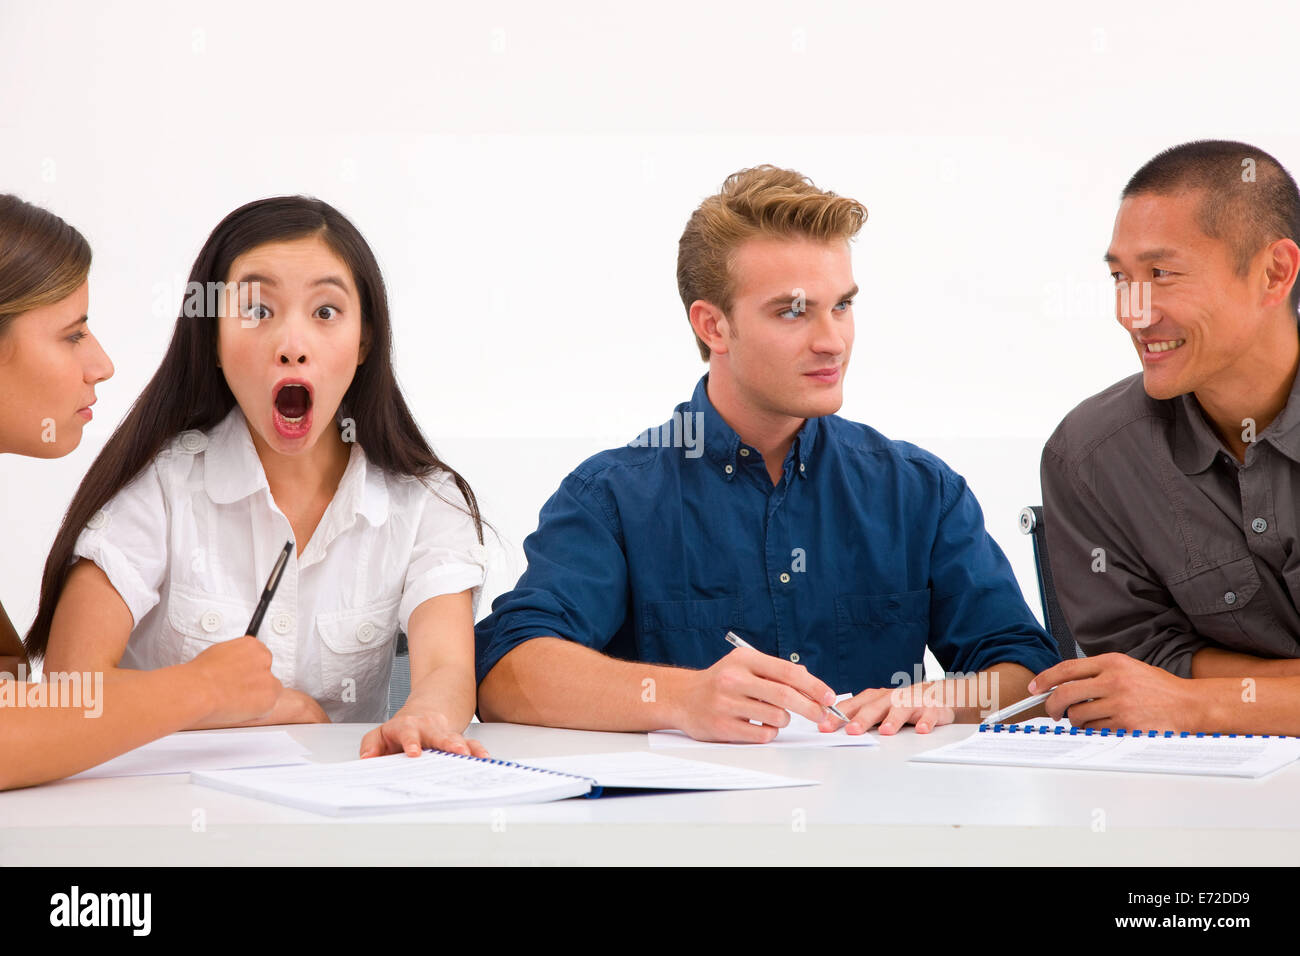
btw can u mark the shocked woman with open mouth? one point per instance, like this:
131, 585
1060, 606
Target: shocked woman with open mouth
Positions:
276, 416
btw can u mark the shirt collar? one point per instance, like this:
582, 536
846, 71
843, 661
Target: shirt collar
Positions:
1196, 443
722, 444
232, 471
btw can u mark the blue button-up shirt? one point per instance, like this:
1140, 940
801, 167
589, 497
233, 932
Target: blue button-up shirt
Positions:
866, 551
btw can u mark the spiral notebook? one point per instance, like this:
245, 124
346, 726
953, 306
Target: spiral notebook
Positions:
1057, 744
443, 781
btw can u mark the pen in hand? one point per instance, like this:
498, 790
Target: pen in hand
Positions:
737, 641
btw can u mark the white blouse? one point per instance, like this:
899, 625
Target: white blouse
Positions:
190, 542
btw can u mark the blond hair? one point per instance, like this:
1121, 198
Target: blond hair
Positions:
762, 201
43, 260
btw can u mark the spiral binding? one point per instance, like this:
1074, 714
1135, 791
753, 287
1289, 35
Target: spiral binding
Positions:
1107, 732
519, 766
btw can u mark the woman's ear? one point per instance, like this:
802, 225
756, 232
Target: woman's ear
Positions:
365, 343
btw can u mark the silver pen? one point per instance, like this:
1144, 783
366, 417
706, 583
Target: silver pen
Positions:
1000, 715
737, 641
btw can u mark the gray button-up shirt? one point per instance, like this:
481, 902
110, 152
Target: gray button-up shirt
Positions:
1161, 543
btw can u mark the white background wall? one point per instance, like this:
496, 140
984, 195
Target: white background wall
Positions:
523, 172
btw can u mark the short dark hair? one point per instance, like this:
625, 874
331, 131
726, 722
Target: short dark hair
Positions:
1249, 201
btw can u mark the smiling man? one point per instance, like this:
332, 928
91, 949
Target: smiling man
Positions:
1171, 498
837, 554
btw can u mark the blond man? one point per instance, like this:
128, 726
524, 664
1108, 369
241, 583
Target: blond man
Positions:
837, 554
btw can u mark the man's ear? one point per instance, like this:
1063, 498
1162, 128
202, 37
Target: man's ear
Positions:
711, 325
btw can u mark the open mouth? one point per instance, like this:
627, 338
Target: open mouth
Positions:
292, 415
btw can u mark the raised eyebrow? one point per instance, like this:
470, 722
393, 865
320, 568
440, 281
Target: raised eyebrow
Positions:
332, 280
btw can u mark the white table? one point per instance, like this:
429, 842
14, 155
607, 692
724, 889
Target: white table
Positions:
871, 807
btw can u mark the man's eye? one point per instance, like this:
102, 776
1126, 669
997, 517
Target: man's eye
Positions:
1160, 273
846, 304
790, 313
1117, 276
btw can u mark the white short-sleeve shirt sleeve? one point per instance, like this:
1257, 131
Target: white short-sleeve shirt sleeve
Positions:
447, 557
127, 539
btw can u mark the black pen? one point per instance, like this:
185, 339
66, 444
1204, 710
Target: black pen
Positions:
272, 583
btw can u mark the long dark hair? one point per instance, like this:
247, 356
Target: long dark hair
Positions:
190, 391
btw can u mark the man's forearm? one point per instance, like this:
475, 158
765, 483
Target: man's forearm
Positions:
552, 682
1247, 705
984, 692
1217, 662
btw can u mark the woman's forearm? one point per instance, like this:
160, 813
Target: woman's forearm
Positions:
73, 723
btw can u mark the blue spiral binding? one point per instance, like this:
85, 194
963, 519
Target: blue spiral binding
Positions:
1040, 729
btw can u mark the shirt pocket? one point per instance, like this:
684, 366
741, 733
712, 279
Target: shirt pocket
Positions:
1220, 602
197, 619
688, 633
357, 646
880, 636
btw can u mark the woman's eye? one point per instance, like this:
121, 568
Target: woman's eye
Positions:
327, 312
258, 312
76, 337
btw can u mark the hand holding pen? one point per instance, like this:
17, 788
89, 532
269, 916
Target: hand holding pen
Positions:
721, 703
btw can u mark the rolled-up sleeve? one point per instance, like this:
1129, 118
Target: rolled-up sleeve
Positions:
978, 615
576, 583
447, 557
1113, 601
127, 540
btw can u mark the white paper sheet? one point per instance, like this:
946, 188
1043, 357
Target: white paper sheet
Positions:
640, 769
186, 752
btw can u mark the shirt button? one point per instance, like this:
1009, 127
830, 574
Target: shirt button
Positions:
282, 623
785, 578
210, 622
794, 658
194, 441
97, 520
1259, 526
744, 452
1230, 597
366, 633
729, 469
801, 468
